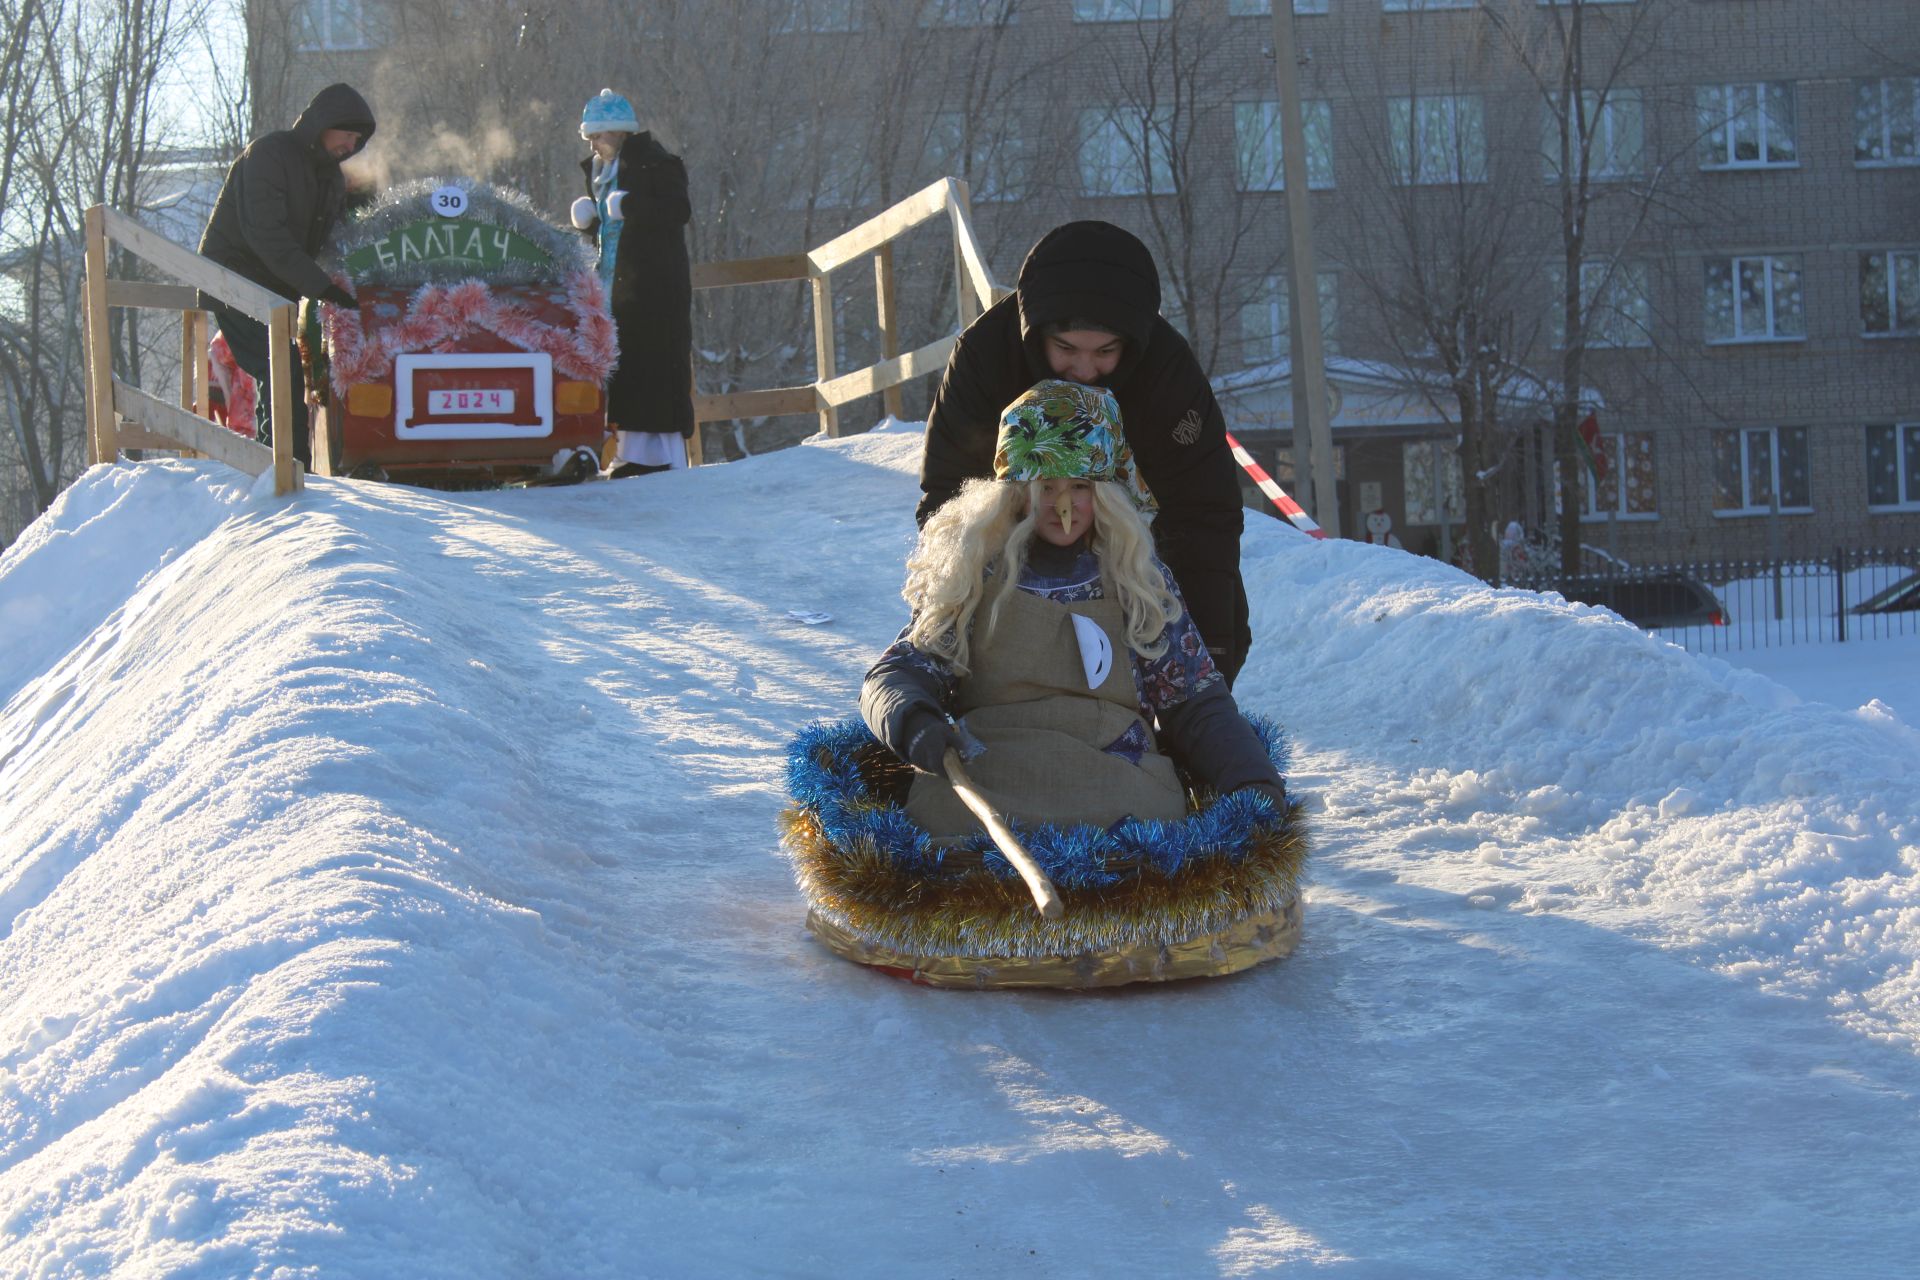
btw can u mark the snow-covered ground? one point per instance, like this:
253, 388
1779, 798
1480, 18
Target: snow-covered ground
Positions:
388, 888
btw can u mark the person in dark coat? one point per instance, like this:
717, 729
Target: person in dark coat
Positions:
636, 210
276, 209
1087, 309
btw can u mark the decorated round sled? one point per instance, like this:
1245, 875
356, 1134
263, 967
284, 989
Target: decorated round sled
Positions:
1142, 902
479, 350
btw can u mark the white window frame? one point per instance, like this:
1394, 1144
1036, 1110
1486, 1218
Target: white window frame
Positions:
1720, 113
1268, 319
318, 16
1622, 112
1896, 298
1607, 320
1409, 124
1747, 436
1591, 511
1122, 10
1128, 168
1258, 152
999, 168
1872, 96
1772, 265
818, 17
1904, 480
1410, 6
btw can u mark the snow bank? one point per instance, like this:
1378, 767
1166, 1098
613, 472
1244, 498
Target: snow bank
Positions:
387, 888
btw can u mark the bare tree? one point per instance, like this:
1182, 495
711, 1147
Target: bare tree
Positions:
83, 118
1174, 79
1446, 261
1607, 183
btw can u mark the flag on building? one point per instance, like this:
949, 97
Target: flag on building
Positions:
1589, 434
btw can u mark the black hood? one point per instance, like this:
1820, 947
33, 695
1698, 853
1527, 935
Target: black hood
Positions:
1089, 271
338, 106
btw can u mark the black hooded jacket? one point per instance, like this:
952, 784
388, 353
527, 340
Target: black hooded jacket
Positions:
1099, 273
282, 197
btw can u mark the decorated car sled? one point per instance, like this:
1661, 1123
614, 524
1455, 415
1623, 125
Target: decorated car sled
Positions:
478, 353
1213, 894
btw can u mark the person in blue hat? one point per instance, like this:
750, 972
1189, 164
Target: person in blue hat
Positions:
636, 211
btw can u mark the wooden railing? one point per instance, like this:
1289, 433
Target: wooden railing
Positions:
974, 290
122, 416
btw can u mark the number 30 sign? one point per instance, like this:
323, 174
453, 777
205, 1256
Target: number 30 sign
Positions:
448, 202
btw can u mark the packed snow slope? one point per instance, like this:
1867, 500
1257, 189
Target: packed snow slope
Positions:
388, 888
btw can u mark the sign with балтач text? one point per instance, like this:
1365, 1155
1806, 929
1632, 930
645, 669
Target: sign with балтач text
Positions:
457, 241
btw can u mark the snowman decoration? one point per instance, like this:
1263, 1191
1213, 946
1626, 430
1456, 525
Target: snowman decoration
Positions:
1380, 530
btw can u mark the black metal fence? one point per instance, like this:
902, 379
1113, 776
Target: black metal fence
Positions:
1858, 593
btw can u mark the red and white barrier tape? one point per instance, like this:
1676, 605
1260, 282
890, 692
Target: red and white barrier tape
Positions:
1278, 496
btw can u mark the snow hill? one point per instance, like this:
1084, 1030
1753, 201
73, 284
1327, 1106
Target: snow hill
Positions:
388, 888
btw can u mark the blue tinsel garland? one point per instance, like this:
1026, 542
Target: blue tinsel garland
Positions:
824, 777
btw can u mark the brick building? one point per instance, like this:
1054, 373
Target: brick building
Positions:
1750, 275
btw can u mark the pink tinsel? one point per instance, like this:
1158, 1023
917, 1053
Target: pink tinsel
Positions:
439, 316
236, 386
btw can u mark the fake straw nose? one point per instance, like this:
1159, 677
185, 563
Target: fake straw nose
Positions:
1063, 506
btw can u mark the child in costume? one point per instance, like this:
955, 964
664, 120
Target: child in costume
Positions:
636, 209
1044, 623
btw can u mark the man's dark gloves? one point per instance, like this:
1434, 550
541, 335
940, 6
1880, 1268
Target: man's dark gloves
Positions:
927, 748
339, 297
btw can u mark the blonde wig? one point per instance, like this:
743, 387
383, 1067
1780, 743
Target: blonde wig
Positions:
986, 529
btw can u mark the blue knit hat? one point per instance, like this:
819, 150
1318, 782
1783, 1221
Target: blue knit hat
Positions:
608, 112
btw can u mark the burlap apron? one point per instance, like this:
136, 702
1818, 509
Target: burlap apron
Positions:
1046, 732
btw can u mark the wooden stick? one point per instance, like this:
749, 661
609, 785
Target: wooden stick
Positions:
1045, 896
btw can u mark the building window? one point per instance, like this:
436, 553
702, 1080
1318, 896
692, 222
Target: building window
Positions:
1615, 127
1266, 324
816, 15
1886, 121
1755, 299
1430, 472
1125, 153
1893, 466
996, 167
1613, 299
339, 25
1754, 466
1747, 126
1890, 292
1120, 10
1257, 149
1248, 8
968, 13
1402, 6
1439, 139
1626, 490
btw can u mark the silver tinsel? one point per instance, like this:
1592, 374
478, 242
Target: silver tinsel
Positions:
488, 205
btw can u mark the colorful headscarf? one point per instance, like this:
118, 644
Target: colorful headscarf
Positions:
1060, 430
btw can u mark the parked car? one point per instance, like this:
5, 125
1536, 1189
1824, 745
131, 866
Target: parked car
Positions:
1651, 600
1902, 597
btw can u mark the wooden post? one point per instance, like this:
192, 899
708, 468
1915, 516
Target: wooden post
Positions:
825, 369
103, 443
280, 375
966, 304
1309, 375
193, 382
889, 322
696, 449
